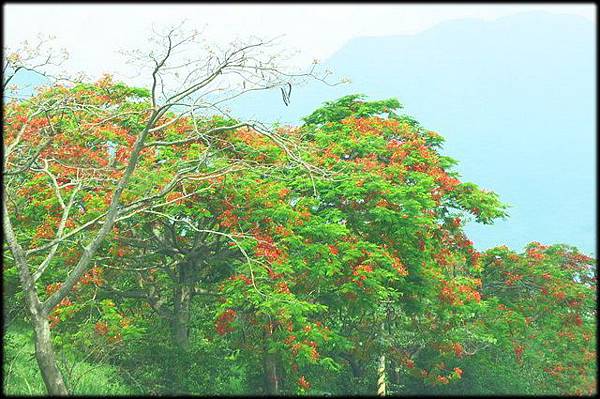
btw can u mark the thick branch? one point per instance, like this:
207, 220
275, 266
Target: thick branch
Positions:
111, 216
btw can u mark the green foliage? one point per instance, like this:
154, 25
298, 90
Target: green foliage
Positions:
256, 268
335, 111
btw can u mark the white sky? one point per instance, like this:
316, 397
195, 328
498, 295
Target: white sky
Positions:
94, 33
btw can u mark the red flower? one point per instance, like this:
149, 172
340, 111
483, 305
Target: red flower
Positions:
224, 320
303, 383
101, 328
458, 349
289, 340
314, 354
559, 295
283, 193
283, 288
458, 371
333, 249
519, 352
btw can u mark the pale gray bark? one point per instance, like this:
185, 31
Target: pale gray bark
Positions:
46, 358
44, 350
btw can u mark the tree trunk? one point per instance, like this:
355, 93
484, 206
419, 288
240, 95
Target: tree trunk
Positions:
396, 373
182, 299
357, 370
271, 375
381, 388
46, 359
181, 318
381, 376
44, 350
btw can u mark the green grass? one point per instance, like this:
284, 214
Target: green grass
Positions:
22, 376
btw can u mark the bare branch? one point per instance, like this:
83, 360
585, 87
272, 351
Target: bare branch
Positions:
59, 232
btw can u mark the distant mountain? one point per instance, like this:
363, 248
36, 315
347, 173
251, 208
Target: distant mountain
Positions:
515, 99
27, 82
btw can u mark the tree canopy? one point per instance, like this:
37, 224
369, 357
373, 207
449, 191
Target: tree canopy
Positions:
314, 259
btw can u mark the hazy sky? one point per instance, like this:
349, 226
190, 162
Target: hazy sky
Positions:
94, 33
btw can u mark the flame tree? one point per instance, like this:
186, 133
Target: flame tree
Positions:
72, 156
